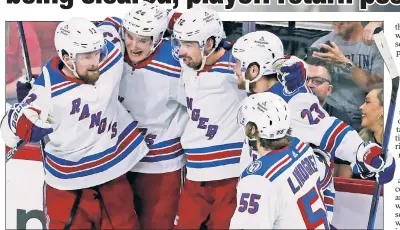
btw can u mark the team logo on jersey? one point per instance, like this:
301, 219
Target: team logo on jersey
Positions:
175, 53
254, 167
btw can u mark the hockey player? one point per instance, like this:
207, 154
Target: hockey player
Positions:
92, 140
260, 65
212, 140
149, 91
248, 49
281, 189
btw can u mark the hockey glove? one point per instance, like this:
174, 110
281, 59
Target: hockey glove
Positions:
23, 88
25, 122
292, 72
387, 173
369, 163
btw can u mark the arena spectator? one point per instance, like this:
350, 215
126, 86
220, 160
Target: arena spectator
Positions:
320, 82
372, 123
372, 117
358, 67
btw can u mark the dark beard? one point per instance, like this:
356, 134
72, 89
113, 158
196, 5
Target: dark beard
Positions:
195, 67
198, 67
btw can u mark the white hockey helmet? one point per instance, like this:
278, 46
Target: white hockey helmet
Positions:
269, 112
198, 24
261, 47
78, 35
147, 19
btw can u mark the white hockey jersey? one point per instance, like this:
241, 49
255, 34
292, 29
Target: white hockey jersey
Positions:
111, 28
212, 139
94, 139
312, 124
149, 91
281, 190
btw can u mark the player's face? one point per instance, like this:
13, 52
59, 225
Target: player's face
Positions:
87, 66
190, 53
319, 83
372, 111
137, 47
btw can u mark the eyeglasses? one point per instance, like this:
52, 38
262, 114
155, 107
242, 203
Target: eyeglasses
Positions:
318, 80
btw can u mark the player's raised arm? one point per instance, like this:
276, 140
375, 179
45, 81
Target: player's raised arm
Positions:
111, 28
23, 120
337, 138
292, 72
329, 133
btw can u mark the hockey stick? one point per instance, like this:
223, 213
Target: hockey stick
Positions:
24, 49
383, 48
27, 63
45, 111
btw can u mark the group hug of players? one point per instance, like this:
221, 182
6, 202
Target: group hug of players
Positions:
154, 133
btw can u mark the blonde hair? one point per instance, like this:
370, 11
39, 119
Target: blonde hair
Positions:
366, 135
380, 96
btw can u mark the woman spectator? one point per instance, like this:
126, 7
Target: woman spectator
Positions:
372, 117
372, 126
372, 120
